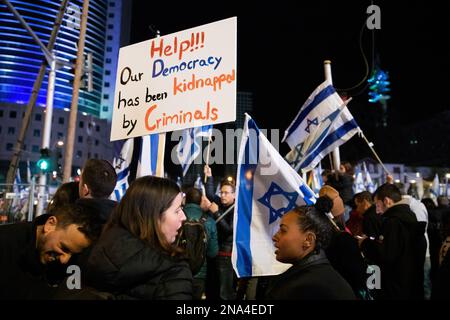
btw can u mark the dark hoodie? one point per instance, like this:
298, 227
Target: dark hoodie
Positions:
398, 252
130, 269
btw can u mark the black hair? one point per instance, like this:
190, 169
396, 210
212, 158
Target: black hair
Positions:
364, 195
324, 204
193, 195
87, 220
309, 218
100, 177
388, 190
65, 194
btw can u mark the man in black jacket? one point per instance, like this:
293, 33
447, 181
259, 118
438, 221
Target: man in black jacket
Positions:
223, 214
28, 251
97, 181
398, 251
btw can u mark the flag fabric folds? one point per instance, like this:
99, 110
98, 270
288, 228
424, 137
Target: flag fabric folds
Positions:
190, 145
123, 153
322, 124
315, 181
435, 188
368, 183
151, 156
358, 182
267, 187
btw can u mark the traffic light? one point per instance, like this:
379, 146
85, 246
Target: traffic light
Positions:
87, 74
379, 86
44, 162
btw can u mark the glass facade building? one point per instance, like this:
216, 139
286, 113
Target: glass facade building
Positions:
21, 57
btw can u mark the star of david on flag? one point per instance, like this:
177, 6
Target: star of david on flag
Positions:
267, 187
274, 190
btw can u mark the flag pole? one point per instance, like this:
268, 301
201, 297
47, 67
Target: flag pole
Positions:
370, 144
207, 153
336, 154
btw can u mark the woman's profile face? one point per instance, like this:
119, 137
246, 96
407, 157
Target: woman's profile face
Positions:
172, 219
289, 241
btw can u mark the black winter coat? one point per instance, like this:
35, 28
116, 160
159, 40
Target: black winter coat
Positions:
22, 276
400, 254
127, 267
312, 278
346, 258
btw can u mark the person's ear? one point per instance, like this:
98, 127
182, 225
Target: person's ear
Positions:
310, 240
50, 224
84, 190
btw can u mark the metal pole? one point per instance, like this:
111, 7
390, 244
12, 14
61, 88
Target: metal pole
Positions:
75, 93
31, 199
336, 154
34, 94
24, 24
47, 132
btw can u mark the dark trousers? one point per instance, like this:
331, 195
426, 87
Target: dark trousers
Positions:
226, 278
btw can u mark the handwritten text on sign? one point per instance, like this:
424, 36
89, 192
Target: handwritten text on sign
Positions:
182, 80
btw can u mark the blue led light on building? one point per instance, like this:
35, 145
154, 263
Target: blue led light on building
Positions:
20, 56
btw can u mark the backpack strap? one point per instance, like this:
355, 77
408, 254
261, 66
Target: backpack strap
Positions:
203, 218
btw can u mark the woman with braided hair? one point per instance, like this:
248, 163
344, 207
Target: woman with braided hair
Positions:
304, 233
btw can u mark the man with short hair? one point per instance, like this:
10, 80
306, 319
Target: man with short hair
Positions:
29, 250
223, 214
399, 250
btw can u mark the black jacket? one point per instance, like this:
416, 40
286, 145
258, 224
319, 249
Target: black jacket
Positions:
372, 222
343, 183
225, 228
104, 208
22, 276
346, 258
127, 267
312, 278
399, 253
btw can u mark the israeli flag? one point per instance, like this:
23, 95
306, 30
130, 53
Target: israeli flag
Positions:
121, 162
190, 145
315, 181
151, 156
267, 187
368, 183
435, 188
358, 183
322, 124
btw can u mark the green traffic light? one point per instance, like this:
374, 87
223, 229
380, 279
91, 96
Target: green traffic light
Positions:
43, 164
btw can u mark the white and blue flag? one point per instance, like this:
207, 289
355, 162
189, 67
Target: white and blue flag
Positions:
322, 124
190, 145
435, 187
368, 183
358, 183
267, 187
151, 157
121, 162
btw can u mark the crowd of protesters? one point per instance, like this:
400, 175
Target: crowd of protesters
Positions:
130, 249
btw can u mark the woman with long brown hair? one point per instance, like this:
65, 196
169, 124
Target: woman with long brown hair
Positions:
136, 256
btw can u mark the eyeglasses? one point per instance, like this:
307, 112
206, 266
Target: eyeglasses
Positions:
225, 193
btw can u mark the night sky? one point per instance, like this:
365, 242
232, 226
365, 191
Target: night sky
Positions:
282, 46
